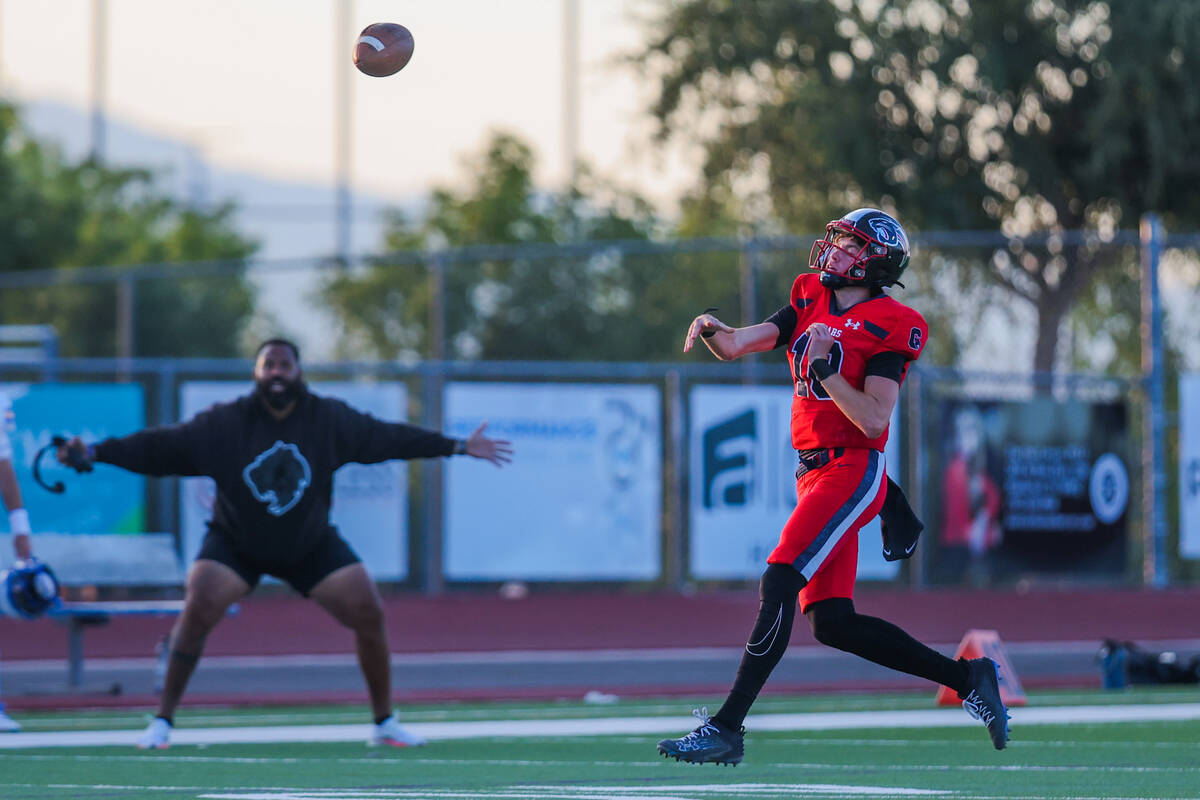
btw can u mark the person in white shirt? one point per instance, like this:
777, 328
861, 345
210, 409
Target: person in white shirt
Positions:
18, 517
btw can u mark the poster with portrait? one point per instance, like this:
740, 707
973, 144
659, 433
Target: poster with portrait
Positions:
1039, 486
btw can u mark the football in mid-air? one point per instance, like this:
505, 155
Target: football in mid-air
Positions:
382, 49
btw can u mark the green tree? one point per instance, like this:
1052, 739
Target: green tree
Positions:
1026, 116
550, 304
69, 216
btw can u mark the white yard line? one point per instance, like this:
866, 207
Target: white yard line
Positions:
683, 791
623, 726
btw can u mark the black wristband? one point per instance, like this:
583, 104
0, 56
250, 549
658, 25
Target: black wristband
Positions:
460, 447
821, 368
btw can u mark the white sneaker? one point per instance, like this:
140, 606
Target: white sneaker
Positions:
392, 733
157, 735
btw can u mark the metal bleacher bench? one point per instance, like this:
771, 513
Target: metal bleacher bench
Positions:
78, 617
146, 560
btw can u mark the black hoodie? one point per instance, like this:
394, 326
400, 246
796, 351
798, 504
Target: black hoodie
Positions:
274, 477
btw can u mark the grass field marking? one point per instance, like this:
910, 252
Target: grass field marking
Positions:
626, 793
391, 758
599, 792
871, 742
394, 758
1085, 768
805, 789
599, 726
269, 793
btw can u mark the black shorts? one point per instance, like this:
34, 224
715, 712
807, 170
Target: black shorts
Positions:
330, 554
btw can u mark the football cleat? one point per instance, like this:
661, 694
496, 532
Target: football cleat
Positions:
157, 735
391, 733
983, 702
708, 744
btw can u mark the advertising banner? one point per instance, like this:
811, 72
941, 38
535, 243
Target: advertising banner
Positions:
582, 500
93, 532
370, 502
108, 500
1037, 486
743, 483
1189, 466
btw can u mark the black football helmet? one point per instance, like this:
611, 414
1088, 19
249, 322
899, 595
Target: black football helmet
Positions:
878, 251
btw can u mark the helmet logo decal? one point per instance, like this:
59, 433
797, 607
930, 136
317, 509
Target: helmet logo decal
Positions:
886, 231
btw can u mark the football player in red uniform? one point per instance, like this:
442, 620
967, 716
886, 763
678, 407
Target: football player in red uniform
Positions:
849, 345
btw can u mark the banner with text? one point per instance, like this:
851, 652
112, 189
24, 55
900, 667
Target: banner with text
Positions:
582, 500
743, 482
108, 500
1189, 466
370, 501
1039, 486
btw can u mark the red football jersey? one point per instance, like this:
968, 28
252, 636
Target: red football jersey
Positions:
877, 325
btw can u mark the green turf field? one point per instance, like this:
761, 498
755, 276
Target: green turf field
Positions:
1130, 759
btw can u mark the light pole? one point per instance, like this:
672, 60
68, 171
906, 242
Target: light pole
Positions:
99, 76
343, 130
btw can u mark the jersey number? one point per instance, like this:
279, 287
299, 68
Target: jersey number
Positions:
808, 385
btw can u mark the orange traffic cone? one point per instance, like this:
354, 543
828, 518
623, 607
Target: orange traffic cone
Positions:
977, 643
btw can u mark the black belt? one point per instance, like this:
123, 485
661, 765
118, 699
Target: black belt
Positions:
814, 459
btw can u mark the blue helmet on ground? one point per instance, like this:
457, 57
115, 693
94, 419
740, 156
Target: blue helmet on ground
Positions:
27, 590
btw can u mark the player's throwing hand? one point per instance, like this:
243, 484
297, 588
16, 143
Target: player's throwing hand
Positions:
702, 325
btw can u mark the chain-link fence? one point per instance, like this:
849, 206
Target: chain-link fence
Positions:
617, 311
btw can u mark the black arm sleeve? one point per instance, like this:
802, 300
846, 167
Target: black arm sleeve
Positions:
167, 450
363, 439
888, 364
785, 319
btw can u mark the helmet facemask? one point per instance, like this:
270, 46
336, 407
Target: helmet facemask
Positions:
864, 248
841, 257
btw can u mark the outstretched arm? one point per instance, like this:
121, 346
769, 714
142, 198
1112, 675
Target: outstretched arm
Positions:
728, 343
366, 440
166, 450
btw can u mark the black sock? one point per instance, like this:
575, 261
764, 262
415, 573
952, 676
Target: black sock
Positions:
768, 640
169, 720
837, 624
379, 720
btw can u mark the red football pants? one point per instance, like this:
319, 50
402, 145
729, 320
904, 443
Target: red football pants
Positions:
820, 538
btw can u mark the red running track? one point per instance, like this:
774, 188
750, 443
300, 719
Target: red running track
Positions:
277, 623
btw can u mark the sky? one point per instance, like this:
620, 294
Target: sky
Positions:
235, 99
250, 87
